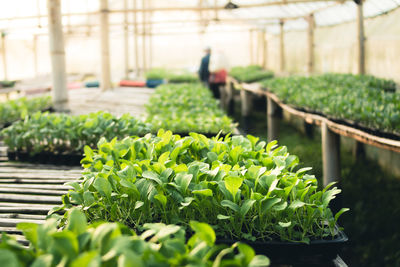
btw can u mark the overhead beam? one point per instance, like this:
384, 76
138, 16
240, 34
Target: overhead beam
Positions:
171, 9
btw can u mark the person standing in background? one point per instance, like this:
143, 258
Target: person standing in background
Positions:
204, 73
218, 73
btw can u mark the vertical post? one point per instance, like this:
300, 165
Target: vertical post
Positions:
3, 52
57, 53
311, 27
144, 16
361, 38
105, 82
38, 13
245, 99
150, 29
272, 119
136, 37
126, 41
35, 55
282, 47
251, 46
216, 9
358, 148
330, 155
264, 47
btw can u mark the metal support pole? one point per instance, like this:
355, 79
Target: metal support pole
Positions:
245, 98
282, 47
311, 27
126, 41
358, 149
264, 53
251, 47
105, 82
144, 15
272, 119
57, 53
361, 38
330, 155
35, 55
137, 67
3, 52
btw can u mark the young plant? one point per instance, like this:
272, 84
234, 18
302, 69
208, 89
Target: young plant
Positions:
247, 190
113, 244
365, 100
14, 110
187, 107
249, 74
64, 134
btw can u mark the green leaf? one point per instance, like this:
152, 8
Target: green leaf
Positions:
268, 203
233, 184
246, 206
296, 204
103, 186
259, 261
87, 259
230, 204
183, 180
66, 243
162, 199
327, 196
285, 224
8, 258
43, 261
340, 212
152, 176
223, 217
203, 192
247, 251
30, 232
204, 232
77, 221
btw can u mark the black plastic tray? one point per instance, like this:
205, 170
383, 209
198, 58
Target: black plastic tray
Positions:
318, 252
46, 158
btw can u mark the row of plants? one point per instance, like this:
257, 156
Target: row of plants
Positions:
65, 134
14, 110
245, 189
7, 84
171, 76
249, 74
184, 108
365, 101
113, 244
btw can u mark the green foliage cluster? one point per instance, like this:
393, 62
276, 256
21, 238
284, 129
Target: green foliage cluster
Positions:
249, 74
171, 76
7, 84
247, 190
61, 133
367, 101
13, 110
113, 244
185, 108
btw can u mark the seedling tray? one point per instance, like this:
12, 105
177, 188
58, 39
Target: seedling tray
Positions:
318, 252
46, 158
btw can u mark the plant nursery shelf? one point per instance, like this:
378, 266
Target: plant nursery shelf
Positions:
341, 129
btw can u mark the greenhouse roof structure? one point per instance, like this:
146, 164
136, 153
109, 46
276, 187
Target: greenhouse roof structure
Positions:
180, 16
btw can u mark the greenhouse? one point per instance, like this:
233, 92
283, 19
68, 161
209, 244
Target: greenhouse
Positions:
200, 133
